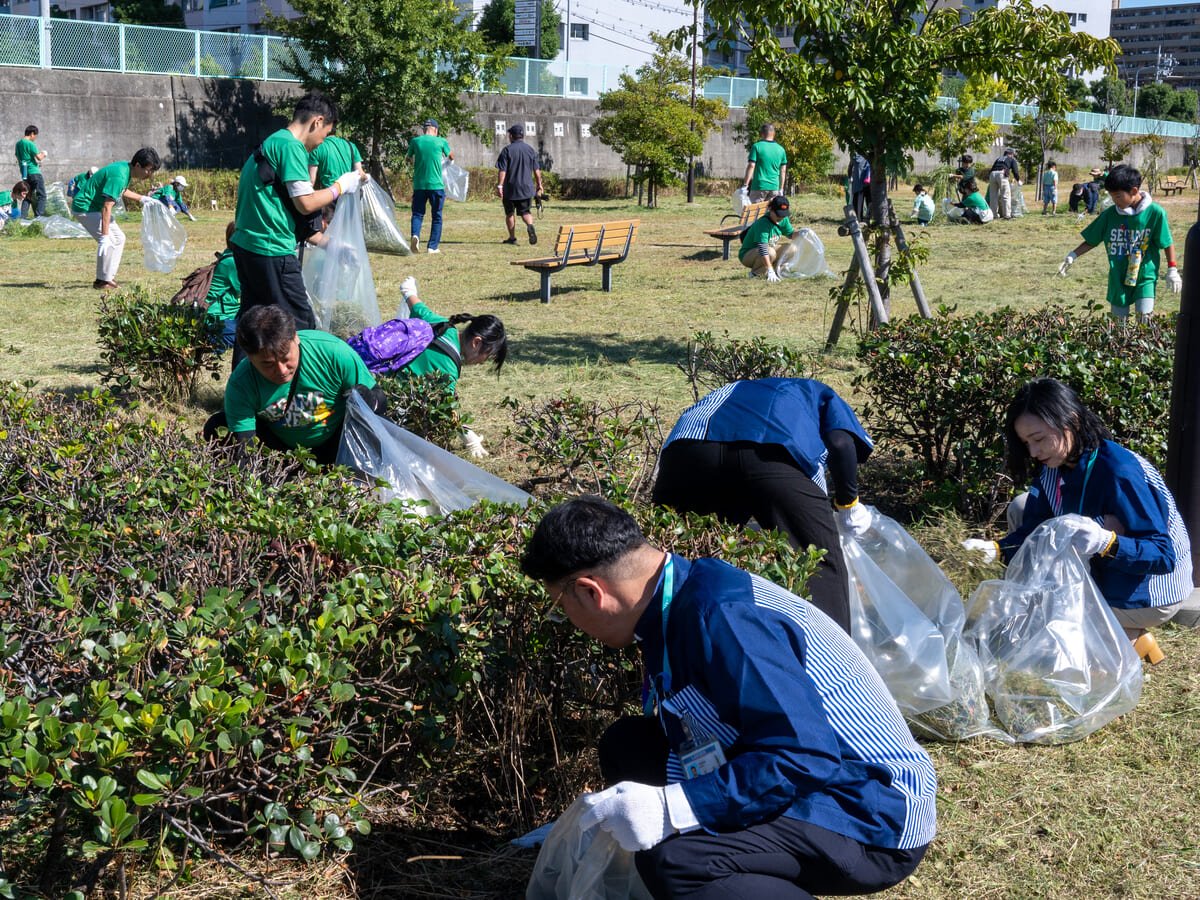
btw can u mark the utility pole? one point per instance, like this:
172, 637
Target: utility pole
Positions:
691, 178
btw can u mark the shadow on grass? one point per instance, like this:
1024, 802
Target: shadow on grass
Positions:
573, 349
24, 284
705, 255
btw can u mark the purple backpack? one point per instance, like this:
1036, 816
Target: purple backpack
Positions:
391, 346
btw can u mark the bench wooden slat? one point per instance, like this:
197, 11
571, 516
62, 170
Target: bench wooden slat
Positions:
603, 244
751, 213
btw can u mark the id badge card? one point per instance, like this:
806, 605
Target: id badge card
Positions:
702, 760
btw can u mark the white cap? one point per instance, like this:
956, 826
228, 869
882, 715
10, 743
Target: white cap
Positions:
179, 180
92, 170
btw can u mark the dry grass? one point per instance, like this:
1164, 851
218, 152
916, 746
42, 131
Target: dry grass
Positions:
1114, 815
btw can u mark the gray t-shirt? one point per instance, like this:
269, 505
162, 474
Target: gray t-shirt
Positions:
520, 161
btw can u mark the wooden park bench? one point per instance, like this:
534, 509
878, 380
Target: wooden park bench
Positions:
1171, 184
601, 244
729, 233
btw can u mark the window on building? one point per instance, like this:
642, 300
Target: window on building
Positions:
579, 31
1083, 17
579, 85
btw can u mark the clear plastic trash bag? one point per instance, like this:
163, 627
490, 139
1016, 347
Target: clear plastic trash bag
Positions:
381, 234
1056, 664
583, 865
913, 572
901, 642
57, 226
1017, 206
56, 200
741, 197
456, 179
163, 238
413, 468
338, 276
803, 256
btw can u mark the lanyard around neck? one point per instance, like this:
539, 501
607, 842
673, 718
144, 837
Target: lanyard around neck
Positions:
652, 698
1087, 474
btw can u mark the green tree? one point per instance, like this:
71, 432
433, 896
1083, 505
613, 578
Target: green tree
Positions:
390, 64
1035, 137
1108, 93
808, 143
648, 120
497, 25
1112, 148
148, 12
1077, 89
1155, 100
964, 131
1184, 109
874, 78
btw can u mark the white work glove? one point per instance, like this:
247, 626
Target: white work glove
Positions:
146, 198
855, 520
1068, 261
772, 275
639, 816
105, 243
1089, 536
988, 549
1174, 279
408, 288
473, 444
349, 182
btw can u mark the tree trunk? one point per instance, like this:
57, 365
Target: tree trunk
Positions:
883, 234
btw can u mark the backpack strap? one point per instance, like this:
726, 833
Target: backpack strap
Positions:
304, 226
441, 345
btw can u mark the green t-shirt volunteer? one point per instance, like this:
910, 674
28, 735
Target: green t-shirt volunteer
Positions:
264, 226
768, 157
763, 230
225, 291
427, 152
6, 200
167, 192
27, 161
334, 157
328, 368
431, 360
107, 184
975, 200
1147, 229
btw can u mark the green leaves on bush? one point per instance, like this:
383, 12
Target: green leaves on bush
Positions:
426, 406
711, 363
153, 346
938, 389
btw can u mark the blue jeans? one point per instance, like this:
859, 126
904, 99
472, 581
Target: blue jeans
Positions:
436, 200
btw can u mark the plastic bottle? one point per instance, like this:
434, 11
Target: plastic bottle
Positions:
1133, 267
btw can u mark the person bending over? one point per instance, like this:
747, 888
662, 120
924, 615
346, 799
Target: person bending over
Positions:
291, 389
771, 761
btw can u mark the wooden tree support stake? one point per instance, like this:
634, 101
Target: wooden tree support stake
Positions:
915, 281
863, 259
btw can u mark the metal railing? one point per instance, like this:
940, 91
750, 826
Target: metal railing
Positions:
1006, 114
112, 47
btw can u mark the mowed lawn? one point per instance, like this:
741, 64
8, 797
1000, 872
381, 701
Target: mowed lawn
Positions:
1117, 815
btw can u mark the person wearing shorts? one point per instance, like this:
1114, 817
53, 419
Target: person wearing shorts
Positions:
519, 172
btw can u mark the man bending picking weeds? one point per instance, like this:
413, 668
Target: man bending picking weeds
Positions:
93, 207
1134, 230
771, 760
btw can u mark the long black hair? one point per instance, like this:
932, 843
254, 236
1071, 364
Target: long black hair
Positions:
494, 340
1058, 406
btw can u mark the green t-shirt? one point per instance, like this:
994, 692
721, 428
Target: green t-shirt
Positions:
328, 368
5, 199
107, 184
166, 192
427, 151
975, 200
1148, 230
225, 292
263, 225
27, 160
431, 360
334, 157
762, 230
768, 157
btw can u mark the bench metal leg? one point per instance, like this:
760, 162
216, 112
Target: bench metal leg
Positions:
725, 249
545, 286
606, 278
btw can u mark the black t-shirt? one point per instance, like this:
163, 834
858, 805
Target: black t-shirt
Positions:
520, 161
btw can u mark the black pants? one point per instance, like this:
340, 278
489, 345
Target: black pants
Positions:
739, 480
37, 194
272, 281
780, 859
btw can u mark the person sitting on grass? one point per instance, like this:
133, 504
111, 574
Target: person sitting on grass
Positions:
429, 344
761, 242
1134, 231
11, 200
290, 391
1125, 519
224, 297
972, 208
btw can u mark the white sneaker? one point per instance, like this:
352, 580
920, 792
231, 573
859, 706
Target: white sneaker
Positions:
433, 250
408, 288
414, 243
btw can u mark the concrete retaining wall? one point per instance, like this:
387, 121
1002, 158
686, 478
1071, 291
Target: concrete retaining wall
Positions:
93, 118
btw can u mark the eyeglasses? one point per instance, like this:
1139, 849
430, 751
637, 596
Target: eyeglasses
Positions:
557, 597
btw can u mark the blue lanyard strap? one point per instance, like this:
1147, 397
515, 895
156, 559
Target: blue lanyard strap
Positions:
1087, 474
651, 701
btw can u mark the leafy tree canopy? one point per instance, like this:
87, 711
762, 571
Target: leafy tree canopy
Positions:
148, 12
648, 120
1163, 101
390, 64
1110, 93
497, 25
962, 131
808, 143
